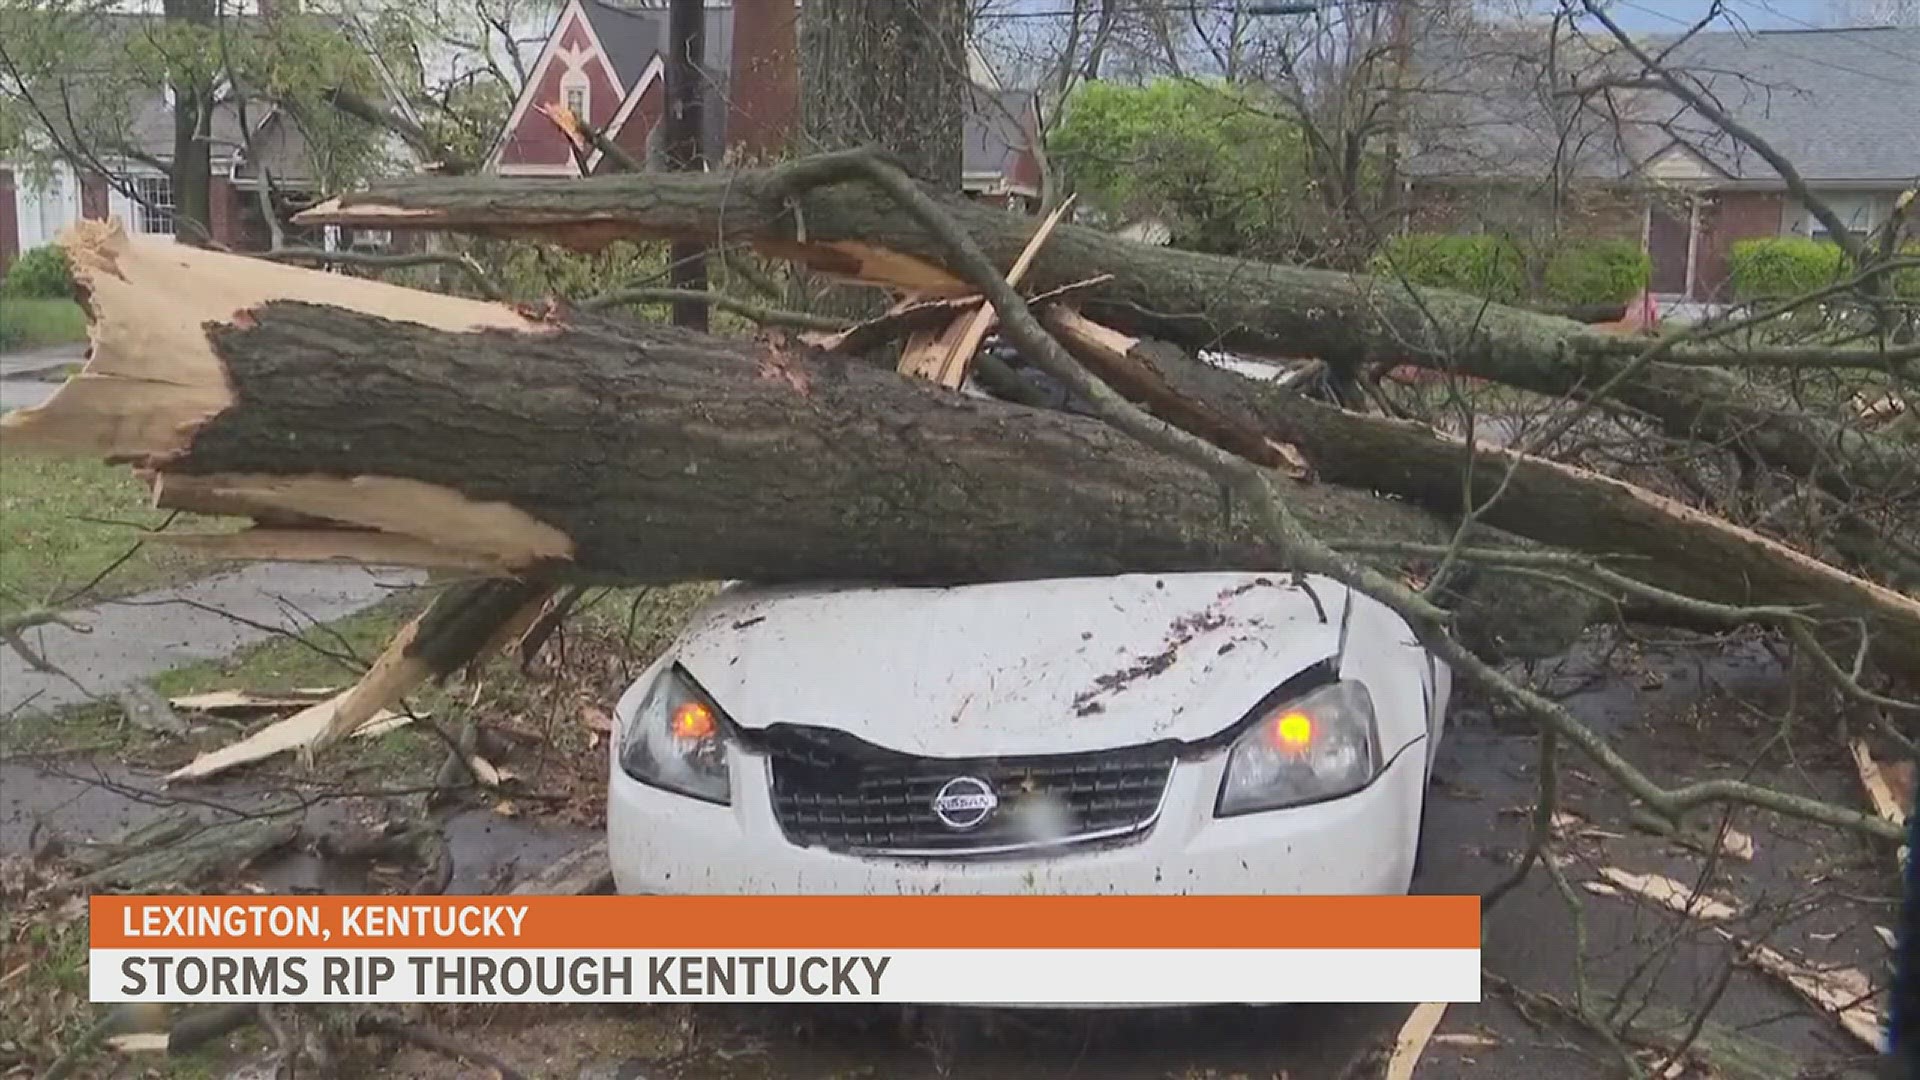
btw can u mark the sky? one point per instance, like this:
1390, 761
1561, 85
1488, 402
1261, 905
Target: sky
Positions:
1664, 16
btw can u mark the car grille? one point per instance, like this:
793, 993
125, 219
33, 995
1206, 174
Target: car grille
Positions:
834, 791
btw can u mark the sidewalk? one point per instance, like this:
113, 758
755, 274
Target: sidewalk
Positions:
139, 636
41, 363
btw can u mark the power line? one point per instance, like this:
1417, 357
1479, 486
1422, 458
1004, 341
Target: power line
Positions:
1905, 84
1864, 43
1222, 7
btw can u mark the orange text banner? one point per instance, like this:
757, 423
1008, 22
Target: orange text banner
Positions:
785, 922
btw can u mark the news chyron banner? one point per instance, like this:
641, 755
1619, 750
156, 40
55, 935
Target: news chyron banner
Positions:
959, 950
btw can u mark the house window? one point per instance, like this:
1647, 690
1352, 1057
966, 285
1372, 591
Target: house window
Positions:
153, 206
573, 94
1860, 213
56, 209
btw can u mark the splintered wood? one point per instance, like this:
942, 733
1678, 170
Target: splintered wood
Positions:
293, 733
1413, 1038
945, 356
1879, 792
1844, 993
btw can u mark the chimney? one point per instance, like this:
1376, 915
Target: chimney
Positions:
764, 79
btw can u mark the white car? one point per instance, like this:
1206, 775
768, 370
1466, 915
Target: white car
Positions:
1175, 733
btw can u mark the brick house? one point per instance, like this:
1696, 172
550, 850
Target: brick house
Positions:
124, 175
1838, 104
606, 63
38, 203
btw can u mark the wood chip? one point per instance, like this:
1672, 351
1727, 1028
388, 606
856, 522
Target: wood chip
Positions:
1466, 1040
1879, 792
486, 771
1737, 844
1888, 936
1294, 462
246, 701
135, 1042
1667, 893
1734, 844
596, 719
1899, 776
1412, 1040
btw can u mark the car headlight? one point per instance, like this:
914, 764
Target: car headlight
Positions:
677, 741
1318, 746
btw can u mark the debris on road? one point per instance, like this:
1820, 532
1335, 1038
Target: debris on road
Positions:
295, 731
244, 701
1663, 891
1412, 1040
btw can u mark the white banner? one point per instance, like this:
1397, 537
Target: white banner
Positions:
925, 976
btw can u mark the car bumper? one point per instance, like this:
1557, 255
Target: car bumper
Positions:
1364, 843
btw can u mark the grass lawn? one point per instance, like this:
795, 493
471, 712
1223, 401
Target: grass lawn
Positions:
64, 520
27, 324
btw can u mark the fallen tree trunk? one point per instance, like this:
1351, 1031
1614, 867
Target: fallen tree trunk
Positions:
1655, 539
363, 421
805, 213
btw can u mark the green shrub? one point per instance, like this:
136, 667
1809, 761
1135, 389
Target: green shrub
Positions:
42, 274
1784, 266
1482, 265
1600, 272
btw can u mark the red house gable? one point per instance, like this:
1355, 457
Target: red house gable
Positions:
574, 70
610, 59
639, 115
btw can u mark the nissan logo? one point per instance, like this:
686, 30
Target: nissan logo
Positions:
964, 802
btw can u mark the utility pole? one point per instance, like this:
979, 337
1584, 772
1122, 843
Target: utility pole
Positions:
686, 93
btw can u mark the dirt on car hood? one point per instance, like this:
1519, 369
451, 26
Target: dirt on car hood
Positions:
1016, 668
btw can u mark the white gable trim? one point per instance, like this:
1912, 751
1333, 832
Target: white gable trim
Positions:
655, 71
1680, 164
538, 73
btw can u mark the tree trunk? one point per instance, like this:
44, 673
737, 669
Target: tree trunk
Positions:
1650, 538
686, 92
192, 148
352, 419
1195, 300
889, 74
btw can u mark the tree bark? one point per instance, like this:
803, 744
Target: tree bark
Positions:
802, 212
355, 419
889, 74
686, 91
1647, 536
192, 147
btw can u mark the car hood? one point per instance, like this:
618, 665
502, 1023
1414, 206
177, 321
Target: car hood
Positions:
1027, 667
